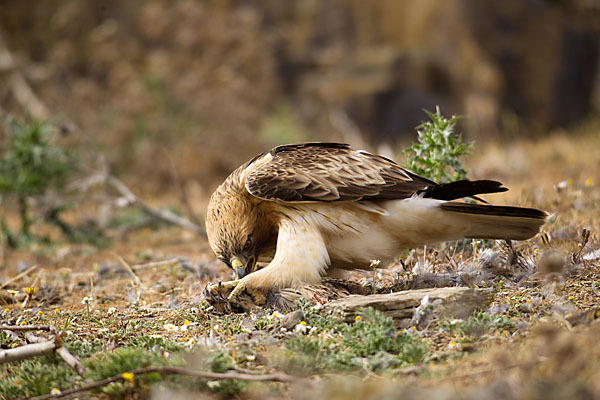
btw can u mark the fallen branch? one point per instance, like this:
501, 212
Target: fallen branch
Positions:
276, 377
71, 360
27, 351
19, 276
67, 357
165, 215
23, 328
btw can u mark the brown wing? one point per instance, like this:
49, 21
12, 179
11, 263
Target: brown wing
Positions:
329, 172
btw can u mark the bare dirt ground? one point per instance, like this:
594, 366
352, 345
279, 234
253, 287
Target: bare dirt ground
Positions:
537, 339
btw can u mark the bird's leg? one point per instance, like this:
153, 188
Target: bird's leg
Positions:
301, 258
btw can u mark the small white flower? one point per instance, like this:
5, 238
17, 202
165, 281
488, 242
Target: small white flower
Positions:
156, 336
104, 330
87, 300
454, 345
275, 315
170, 327
375, 263
312, 330
301, 328
216, 327
246, 330
12, 292
186, 324
250, 357
55, 391
111, 311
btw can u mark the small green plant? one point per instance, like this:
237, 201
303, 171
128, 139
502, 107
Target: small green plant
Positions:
35, 377
438, 151
371, 341
105, 365
31, 164
476, 325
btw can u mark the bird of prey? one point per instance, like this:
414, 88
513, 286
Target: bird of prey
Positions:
312, 208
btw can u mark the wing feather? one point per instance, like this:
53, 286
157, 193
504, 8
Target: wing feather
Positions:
310, 172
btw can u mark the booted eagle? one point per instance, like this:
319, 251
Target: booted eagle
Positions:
312, 208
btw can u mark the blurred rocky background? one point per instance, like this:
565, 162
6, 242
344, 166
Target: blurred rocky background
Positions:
198, 87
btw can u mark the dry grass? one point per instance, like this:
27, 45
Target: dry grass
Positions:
531, 343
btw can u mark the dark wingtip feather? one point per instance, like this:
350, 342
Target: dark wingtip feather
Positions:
463, 188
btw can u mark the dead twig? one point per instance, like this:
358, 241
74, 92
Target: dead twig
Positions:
67, 357
153, 264
27, 351
24, 328
128, 268
19, 276
165, 215
71, 360
276, 377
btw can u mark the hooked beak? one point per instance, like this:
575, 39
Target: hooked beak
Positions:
240, 269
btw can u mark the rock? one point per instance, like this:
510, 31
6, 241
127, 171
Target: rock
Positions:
454, 302
292, 319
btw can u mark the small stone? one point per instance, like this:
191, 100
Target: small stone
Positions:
290, 320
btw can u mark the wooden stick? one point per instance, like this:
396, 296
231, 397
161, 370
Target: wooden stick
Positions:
276, 377
127, 267
27, 351
22, 328
153, 264
165, 215
67, 357
21, 275
71, 360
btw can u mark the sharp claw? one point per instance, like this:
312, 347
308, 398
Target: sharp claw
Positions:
239, 288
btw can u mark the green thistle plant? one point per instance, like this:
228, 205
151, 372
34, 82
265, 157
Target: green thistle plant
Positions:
438, 151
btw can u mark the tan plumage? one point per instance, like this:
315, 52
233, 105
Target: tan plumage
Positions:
314, 207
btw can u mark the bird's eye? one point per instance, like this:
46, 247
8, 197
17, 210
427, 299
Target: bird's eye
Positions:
248, 243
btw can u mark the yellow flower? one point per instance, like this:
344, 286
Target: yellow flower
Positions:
30, 290
303, 323
40, 312
186, 322
589, 182
597, 313
56, 310
357, 318
571, 297
6, 310
128, 376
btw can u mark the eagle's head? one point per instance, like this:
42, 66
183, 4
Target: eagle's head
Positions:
236, 230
